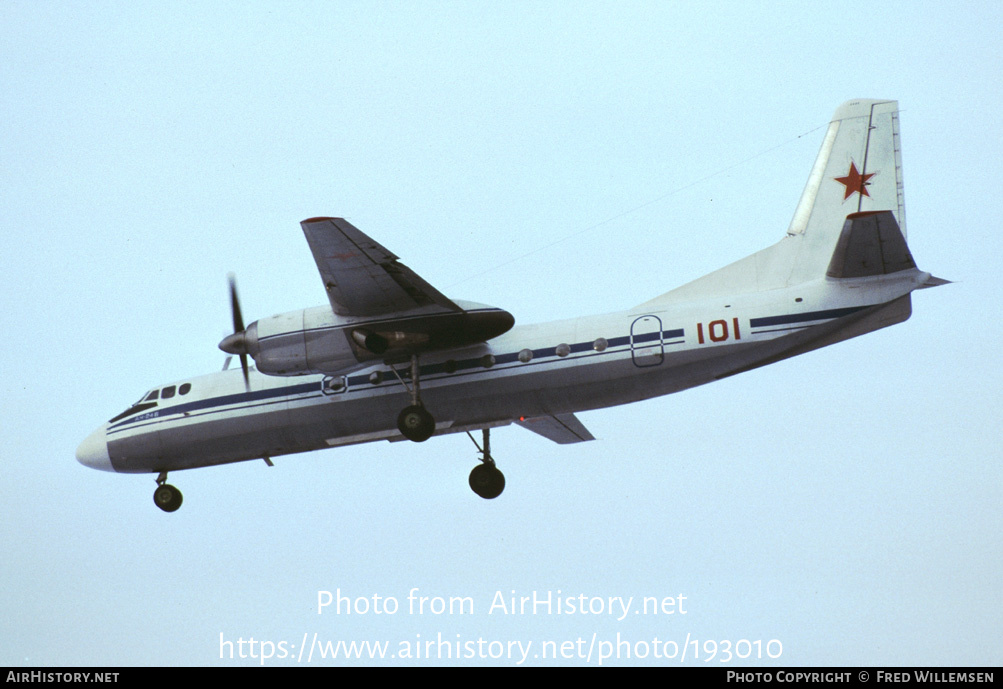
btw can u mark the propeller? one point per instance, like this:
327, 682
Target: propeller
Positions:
237, 342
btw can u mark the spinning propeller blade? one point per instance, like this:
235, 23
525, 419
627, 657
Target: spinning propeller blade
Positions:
236, 344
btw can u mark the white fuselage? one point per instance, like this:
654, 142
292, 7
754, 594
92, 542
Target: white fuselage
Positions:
545, 369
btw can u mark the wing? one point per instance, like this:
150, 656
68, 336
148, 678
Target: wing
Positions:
361, 277
563, 429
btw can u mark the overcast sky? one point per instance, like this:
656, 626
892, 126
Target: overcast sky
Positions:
553, 159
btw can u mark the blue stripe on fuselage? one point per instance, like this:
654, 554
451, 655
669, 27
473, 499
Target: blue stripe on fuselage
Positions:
670, 337
805, 317
426, 370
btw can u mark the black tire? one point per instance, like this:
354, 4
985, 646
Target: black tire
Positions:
415, 423
487, 481
167, 497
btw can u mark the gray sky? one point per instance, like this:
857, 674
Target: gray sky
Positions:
553, 159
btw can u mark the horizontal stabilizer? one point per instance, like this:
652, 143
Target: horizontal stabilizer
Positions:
934, 282
871, 243
563, 429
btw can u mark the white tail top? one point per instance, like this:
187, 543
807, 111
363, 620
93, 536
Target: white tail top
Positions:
858, 169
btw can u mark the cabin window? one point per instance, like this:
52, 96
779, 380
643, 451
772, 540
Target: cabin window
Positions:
168, 392
184, 389
333, 384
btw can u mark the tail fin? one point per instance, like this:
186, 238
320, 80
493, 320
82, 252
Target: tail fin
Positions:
858, 170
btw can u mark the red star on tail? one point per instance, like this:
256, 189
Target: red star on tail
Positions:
854, 182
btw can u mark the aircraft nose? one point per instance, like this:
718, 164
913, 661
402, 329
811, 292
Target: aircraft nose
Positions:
93, 451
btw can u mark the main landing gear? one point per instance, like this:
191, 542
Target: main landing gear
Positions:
414, 422
166, 497
485, 479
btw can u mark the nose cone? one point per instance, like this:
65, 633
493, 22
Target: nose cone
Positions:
93, 452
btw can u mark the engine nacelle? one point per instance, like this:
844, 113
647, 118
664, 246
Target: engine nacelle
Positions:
316, 340
301, 342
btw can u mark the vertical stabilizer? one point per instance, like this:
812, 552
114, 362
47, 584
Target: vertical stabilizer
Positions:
858, 170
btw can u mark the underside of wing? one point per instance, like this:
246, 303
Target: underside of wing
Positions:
563, 429
361, 277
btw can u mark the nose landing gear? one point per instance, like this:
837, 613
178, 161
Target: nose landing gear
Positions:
166, 497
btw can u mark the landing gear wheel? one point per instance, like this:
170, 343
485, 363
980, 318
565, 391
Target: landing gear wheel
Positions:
167, 497
415, 423
487, 481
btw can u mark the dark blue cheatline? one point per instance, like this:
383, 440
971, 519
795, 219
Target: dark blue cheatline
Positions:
358, 380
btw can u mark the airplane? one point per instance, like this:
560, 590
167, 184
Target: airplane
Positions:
389, 357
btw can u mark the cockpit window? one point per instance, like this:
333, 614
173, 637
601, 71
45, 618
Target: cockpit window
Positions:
134, 409
149, 401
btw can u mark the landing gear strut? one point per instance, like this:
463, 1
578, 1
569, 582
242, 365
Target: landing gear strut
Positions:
414, 422
485, 479
166, 497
